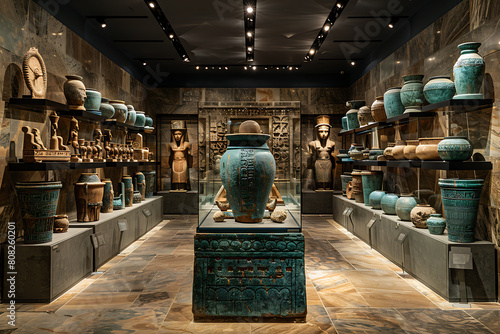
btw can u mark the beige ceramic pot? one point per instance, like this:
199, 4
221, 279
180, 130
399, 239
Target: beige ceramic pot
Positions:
378, 111
398, 150
388, 151
427, 148
364, 116
409, 150
357, 186
420, 213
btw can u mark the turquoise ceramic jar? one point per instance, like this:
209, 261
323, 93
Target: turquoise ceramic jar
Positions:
469, 72
461, 205
107, 110
149, 121
38, 203
412, 93
404, 205
107, 197
247, 171
131, 115
372, 180
375, 153
455, 149
344, 123
129, 190
388, 203
439, 88
121, 111
352, 114
119, 201
140, 119
436, 224
392, 102
92, 101
376, 198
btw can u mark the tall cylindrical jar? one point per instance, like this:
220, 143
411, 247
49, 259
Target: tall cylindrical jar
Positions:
372, 180
469, 72
89, 192
412, 93
129, 190
107, 197
392, 102
247, 170
38, 203
357, 186
150, 182
345, 179
140, 180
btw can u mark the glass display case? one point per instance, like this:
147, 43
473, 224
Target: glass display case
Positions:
281, 120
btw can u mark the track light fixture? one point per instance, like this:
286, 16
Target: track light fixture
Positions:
393, 22
250, 7
102, 22
246, 68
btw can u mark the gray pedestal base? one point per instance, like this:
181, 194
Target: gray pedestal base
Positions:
179, 202
317, 202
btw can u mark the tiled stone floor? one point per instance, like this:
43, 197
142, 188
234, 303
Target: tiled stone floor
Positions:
350, 289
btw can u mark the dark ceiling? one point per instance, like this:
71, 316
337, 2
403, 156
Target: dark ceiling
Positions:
212, 32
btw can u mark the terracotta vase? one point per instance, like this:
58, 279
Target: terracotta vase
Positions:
388, 151
349, 190
365, 116
378, 110
469, 72
74, 91
420, 214
89, 191
357, 186
129, 190
427, 148
107, 198
61, 223
38, 204
410, 148
398, 150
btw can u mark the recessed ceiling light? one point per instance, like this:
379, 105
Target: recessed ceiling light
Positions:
225, 68
246, 68
144, 63
311, 52
151, 4
206, 68
249, 34
339, 5
197, 67
290, 68
249, 49
342, 72
249, 10
326, 27
171, 36
254, 68
353, 63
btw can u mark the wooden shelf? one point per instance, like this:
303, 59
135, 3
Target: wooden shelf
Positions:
36, 105
44, 166
131, 128
457, 165
460, 105
369, 163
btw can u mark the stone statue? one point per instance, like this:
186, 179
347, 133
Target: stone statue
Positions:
98, 146
108, 153
73, 139
321, 150
179, 150
56, 142
37, 139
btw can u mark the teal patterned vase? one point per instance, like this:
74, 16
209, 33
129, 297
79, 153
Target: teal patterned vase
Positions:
140, 119
352, 114
140, 181
372, 180
461, 205
150, 182
436, 224
119, 201
439, 88
38, 202
107, 197
392, 102
388, 203
404, 205
93, 101
344, 123
376, 198
412, 93
469, 72
455, 149
129, 190
247, 170
107, 110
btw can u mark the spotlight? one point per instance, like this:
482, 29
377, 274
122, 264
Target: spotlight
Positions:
392, 23
342, 72
296, 68
197, 67
225, 68
311, 52
151, 4
144, 63
249, 10
249, 34
353, 63
171, 36
339, 5
249, 49
206, 67
254, 68
246, 68
186, 60
102, 22
326, 27
290, 68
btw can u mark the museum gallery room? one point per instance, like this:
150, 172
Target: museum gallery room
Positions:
249, 166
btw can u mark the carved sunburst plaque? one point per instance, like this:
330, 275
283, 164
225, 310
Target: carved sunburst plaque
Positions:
35, 73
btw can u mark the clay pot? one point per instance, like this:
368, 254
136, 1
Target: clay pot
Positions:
438, 89
375, 152
436, 224
357, 185
388, 151
107, 198
392, 102
129, 190
119, 201
140, 181
149, 121
344, 123
121, 111
427, 148
372, 180
404, 205
398, 150
74, 91
93, 101
364, 116
107, 110
455, 149
469, 72
89, 191
352, 114
388, 203
61, 223
136, 197
357, 152
409, 150
131, 116
140, 119
412, 93
378, 110
349, 190
420, 214
376, 198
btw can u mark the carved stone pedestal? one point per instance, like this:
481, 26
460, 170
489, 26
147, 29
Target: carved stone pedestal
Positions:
249, 275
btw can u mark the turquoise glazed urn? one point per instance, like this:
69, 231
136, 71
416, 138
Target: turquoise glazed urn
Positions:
247, 170
149, 121
121, 111
455, 149
372, 180
439, 89
461, 205
344, 123
38, 203
392, 102
92, 101
107, 110
436, 224
352, 114
412, 93
131, 115
404, 205
469, 72
119, 201
388, 203
376, 198
140, 119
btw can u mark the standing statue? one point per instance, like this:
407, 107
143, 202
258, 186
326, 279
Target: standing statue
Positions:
97, 139
108, 152
180, 150
56, 142
321, 150
73, 139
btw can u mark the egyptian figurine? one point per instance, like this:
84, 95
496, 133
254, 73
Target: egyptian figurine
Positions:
179, 150
321, 151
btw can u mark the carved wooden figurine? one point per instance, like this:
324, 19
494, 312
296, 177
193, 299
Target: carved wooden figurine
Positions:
321, 150
179, 151
107, 146
73, 139
98, 156
56, 142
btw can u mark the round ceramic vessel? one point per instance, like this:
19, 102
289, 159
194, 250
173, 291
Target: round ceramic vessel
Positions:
344, 123
404, 205
38, 204
410, 149
357, 186
461, 205
388, 203
140, 119
427, 148
89, 191
392, 102
149, 121
121, 111
469, 72
376, 198
398, 150
93, 100
412, 93
364, 116
436, 224
107, 110
247, 171
378, 110
439, 88
372, 180
455, 149
420, 214
388, 151
131, 117
61, 223
352, 114
356, 152
74, 91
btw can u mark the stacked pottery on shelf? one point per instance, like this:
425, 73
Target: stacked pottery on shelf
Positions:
107, 110
420, 214
455, 149
375, 199
404, 205
410, 149
398, 150
427, 148
372, 181
412, 93
352, 114
121, 111
438, 89
388, 203
378, 110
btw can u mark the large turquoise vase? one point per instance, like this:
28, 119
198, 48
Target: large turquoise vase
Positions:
469, 72
461, 205
439, 88
38, 202
372, 180
247, 171
392, 102
150, 182
388, 203
455, 149
412, 93
376, 198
